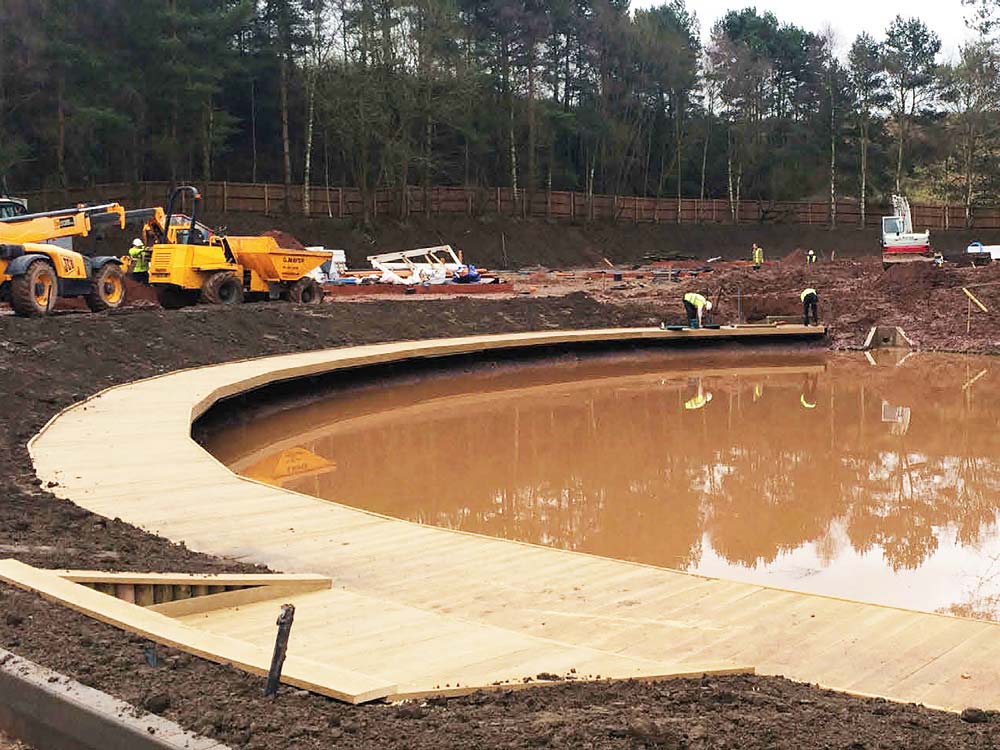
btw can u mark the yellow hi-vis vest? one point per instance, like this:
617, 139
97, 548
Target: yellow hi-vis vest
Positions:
806, 293
758, 255
140, 261
698, 300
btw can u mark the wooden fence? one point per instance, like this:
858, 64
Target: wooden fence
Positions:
345, 202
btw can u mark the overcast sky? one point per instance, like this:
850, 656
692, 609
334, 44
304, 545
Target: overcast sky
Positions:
848, 18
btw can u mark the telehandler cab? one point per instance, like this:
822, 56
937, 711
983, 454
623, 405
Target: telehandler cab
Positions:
223, 270
33, 274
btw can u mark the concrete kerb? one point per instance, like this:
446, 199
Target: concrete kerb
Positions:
52, 712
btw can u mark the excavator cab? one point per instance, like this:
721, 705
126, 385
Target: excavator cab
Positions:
34, 273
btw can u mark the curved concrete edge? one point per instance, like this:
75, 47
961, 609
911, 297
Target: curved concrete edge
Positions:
50, 711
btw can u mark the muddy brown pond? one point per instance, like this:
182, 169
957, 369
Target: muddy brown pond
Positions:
870, 477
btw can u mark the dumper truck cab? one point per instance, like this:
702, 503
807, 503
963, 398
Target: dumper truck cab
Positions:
900, 244
220, 269
34, 273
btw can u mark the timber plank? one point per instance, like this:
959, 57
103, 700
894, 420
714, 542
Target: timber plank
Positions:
326, 679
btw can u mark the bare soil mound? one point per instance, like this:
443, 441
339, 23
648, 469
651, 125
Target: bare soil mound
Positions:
284, 239
910, 279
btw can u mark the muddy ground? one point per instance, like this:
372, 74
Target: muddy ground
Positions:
926, 302
48, 364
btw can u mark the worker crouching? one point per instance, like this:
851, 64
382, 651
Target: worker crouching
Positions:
695, 306
810, 303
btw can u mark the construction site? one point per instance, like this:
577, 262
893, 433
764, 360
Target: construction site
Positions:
452, 483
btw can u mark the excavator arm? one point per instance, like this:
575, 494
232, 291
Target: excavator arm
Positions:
66, 222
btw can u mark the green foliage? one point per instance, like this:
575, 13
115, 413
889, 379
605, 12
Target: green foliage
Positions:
567, 94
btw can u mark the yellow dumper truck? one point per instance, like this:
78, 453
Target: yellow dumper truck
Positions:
227, 270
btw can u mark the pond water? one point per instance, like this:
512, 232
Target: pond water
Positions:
871, 477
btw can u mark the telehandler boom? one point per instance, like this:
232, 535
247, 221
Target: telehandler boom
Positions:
33, 274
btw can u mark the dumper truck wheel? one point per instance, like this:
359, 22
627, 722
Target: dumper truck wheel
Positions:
109, 288
35, 292
306, 292
222, 288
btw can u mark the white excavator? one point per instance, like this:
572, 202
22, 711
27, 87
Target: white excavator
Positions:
900, 244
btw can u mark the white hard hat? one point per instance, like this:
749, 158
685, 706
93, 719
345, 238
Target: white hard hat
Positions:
708, 396
708, 305
136, 242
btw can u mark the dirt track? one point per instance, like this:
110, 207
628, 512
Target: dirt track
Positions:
47, 364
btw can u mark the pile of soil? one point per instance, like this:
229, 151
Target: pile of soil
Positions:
797, 256
904, 280
284, 239
926, 302
47, 364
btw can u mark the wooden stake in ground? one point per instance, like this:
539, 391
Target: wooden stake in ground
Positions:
280, 647
972, 298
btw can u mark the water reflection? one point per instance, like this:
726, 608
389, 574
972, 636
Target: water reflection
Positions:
865, 478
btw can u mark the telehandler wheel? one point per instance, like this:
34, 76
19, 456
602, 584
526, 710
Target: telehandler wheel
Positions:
35, 292
222, 288
306, 291
109, 288
174, 298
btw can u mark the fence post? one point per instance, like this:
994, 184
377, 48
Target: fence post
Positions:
267, 205
340, 203
468, 201
572, 206
225, 196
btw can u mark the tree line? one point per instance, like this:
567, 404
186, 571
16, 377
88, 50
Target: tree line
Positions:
584, 95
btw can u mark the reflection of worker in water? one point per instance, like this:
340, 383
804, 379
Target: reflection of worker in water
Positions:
758, 392
139, 268
808, 397
757, 256
810, 303
695, 306
699, 399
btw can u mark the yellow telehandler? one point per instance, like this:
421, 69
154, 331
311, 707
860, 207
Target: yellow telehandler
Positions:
34, 274
191, 267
